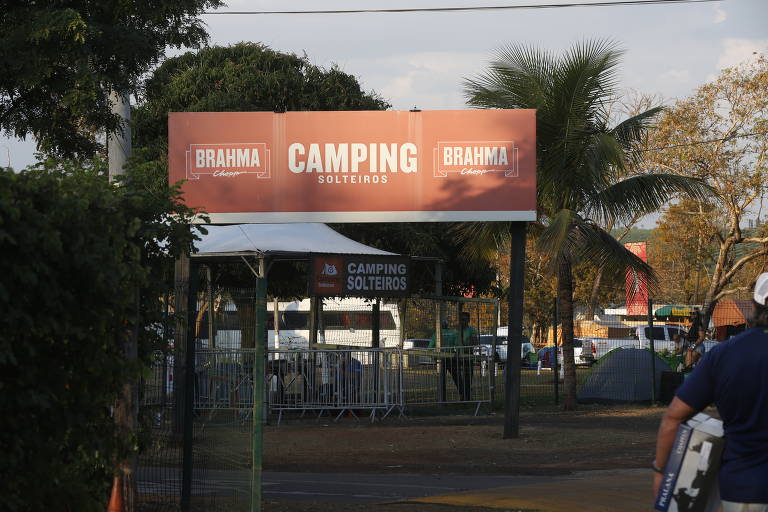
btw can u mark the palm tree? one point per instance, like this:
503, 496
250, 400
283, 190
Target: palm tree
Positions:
581, 158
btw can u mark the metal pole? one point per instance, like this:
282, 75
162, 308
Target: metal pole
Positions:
495, 327
439, 331
653, 351
376, 323
126, 406
512, 368
211, 327
313, 322
554, 352
258, 387
376, 343
189, 388
276, 322
119, 143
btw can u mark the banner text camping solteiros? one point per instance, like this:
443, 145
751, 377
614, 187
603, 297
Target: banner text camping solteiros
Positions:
356, 166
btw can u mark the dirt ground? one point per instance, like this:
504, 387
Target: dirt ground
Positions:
551, 442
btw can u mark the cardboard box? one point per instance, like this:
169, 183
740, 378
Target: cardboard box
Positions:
690, 476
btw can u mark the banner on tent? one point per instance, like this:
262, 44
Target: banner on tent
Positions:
388, 166
359, 276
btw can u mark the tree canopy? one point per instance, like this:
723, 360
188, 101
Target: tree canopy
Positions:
581, 161
59, 61
720, 135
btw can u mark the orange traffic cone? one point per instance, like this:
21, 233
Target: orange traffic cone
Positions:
116, 499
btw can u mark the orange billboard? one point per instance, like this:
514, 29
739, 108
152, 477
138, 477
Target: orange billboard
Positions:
358, 166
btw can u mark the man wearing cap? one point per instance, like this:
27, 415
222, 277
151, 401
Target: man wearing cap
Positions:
734, 377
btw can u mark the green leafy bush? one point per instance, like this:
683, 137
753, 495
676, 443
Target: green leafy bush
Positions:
74, 250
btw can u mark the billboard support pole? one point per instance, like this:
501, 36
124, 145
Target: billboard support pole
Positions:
259, 387
517, 265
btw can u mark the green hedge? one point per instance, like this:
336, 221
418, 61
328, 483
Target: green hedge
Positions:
73, 251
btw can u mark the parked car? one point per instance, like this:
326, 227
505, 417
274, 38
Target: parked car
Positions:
545, 355
595, 348
486, 343
415, 344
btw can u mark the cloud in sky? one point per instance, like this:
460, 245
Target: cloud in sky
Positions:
720, 15
736, 51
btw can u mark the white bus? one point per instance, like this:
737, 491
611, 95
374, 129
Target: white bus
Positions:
346, 322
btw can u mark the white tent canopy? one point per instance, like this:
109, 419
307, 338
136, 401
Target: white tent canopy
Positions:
262, 239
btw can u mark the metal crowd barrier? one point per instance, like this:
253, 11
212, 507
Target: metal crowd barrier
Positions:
379, 381
450, 375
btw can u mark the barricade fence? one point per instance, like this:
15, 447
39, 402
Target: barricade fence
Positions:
196, 410
377, 381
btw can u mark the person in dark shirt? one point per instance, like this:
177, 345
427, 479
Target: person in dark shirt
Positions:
734, 377
460, 365
693, 346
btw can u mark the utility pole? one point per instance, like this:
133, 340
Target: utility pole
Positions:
119, 143
127, 406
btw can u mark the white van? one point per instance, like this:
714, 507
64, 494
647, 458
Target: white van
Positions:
344, 322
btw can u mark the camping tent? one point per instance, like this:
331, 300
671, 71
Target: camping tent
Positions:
623, 375
730, 317
278, 239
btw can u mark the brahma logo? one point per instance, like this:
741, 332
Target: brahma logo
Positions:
228, 160
475, 158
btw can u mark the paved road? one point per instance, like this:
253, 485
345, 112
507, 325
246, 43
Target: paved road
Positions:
330, 487
377, 488
628, 490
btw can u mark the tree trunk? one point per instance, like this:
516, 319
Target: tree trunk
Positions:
565, 305
594, 294
246, 314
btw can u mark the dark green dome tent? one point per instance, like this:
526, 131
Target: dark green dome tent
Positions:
622, 376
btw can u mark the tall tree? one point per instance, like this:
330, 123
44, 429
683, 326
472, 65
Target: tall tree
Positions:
581, 158
682, 250
241, 77
60, 59
720, 135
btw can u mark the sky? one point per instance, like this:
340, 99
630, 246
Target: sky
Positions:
421, 59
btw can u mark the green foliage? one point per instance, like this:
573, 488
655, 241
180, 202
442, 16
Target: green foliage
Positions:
60, 59
718, 134
240, 78
580, 157
74, 250
581, 178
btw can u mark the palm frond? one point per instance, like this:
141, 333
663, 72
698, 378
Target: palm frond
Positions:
643, 194
589, 242
553, 239
630, 132
480, 240
632, 129
517, 78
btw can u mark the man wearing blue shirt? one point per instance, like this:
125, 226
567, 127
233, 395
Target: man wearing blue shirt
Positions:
734, 377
